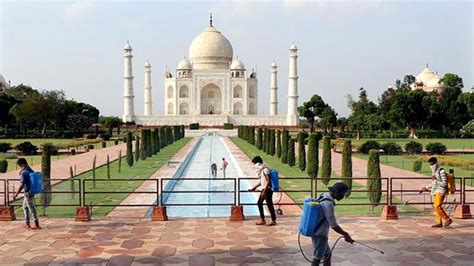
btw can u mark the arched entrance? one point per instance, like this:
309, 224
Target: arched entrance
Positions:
211, 100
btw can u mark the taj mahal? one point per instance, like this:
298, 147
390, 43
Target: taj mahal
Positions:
211, 88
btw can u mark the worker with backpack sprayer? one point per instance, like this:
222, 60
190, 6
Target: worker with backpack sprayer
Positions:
441, 185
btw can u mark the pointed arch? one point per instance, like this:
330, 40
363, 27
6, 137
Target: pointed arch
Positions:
184, 109
237, 109
170, 109
169, 92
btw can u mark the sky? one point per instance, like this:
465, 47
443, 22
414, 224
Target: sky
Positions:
77, 46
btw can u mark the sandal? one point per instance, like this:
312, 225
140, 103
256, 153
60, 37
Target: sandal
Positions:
273, 223
262, 222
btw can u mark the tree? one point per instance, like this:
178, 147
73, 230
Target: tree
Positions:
265, 139
272, 142
149, 147
374, 184
313, 155
346, 168
163, 140
284, 146
342, 122
260, 139
302, 151
326, 168
153, 142
158, 141
120, 161
328, 119
46, 196
312, 109
455, 108
6, 103
360, 111
278, 144
73, 189
129, 149
176, 133
110, 122
93, 170
137, 149
20, 92
252, 135
291, 152
143, 147
108, 167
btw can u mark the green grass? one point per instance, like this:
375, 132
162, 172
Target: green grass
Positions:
450, 143
406, 162
37, 142
140, 170
291, 172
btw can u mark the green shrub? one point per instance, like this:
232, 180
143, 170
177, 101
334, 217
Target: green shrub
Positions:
153, 142
326, 168
228, 126
116, 142
163, 140
4, 147
374, 185
346, 168
417, 166
313, 155
129, 156
90, 146
278, 144
72, 187
105, 136
272, 142
8, 156
252, 136
291, 152
301, 151
3, 166
436, 148
27, 148
137, 149
391, 148
143, 146
157, 139
368, 145
194, 126
104, 144
260, 139
108, 167
284, 146
413, 147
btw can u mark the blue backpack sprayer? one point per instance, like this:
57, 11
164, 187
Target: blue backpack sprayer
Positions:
312, 218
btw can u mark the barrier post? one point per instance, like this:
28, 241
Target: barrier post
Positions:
463, 210
7, 212
389, 212
82, 212
159, 211
237, 211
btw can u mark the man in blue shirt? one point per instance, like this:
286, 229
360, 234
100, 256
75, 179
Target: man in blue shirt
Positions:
29, 198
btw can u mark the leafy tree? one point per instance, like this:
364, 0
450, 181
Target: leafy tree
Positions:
312, 109
346, 168
291, 152
313, 155
326, 168
110, 122
374, 184
278, 144
342, 122
284, 146
328, 118
360, 111
129, 149
6, 103
467, 98
20, 92
302, 151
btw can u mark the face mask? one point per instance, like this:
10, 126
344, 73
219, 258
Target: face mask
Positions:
433, 167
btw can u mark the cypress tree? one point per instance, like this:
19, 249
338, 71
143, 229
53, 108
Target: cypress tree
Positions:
163, 141
260, 139
291, 152
264, 142
176, 133
252, 136
157, 140
249, 134
326, 168
153, 142
137, 148
272, 142
143, 146
183, 132
120, 161
93, 170
346, 171
129, 149
374, 185
149, 146
45, 198
108, 167
284, 146
313, 155
278, 144
301, 151
73, 188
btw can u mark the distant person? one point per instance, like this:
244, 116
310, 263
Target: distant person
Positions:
28, 197
439, 188
322, 251
224, 166
214, 169
263, 173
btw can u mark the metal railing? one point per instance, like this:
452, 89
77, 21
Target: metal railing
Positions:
465, 191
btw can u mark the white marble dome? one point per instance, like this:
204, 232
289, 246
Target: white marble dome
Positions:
211, 50
184, 64
237, 65
433, 82
425, 75
127, 46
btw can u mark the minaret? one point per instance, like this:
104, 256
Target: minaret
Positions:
128, 113
274, 91
147, 99
292, 118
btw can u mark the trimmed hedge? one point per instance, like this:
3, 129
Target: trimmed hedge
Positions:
346, 168
326, 168
4, 147
417, 165
374, 185
27, 148
3, 166
413, 147
291, 152
313, 155
194, 126
284, 146
391, 148
301, 151
260, 139
436, 148
368, 145
228, 126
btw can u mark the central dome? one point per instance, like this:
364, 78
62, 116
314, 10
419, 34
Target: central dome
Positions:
210, 50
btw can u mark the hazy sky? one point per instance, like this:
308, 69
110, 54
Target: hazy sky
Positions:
77, 46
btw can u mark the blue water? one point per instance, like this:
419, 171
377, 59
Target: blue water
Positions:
211, 148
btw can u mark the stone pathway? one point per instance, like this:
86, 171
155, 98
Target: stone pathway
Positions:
114, 241
167, 170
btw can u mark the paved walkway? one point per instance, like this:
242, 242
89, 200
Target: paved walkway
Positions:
114, 241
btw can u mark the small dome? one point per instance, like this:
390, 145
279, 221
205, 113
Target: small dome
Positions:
147, 64
274, 65
210, 50
127, 46
425, 75
293, 47
184, 64
237, 65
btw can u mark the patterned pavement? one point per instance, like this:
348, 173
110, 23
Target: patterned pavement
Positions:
116, 241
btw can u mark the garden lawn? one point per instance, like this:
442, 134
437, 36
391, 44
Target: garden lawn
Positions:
288, 182
139, 170
450, 143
